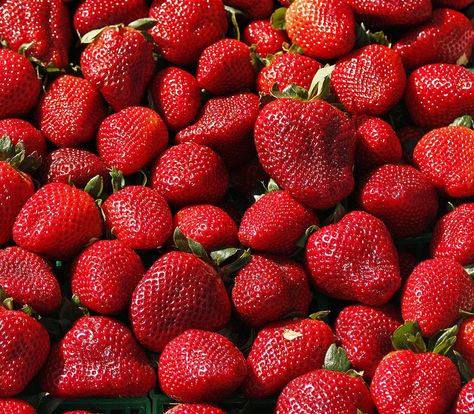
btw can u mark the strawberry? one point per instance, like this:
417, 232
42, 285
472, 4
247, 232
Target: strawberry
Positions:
275, 223
254, 9
104, 276
19, 130
44, 23
324, 29
465, 401
465, 341
453, 4
29, 279
130, 139
190, 174
177, 97
178, 292
10, 405
70, 112
138, 216
19, 85
354, 259
446, 157
453, 235
370, 80
409, 137
270, 288
194, 409
437, 94
80, 364
57, 221
208, 225
308, 149
284, 351
286, 69
226, 125
365, 333
23, 351
199, 366
405, 382
226, 67
264, 36
434, 294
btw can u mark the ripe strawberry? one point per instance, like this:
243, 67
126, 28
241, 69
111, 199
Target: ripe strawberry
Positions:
325, 392
275, 223
226, 125
130, 139
177, 97
465, 401
324, 29
208, 225
264, 36
465, 341
24, 347
57, 221
284, 351
178, 292
453, 235
365, 333
226, 67
44, 23
80, 364
453, 4
20, 130
446, 157
405, 382
370, 80
10, 405
190, 174
270, 288
434, 294
409, 137
254, 9
437, 94
138, 216
308, 149
70, 112
286, 69
19, 85
119, 63
104, 276
354, 259
195, 409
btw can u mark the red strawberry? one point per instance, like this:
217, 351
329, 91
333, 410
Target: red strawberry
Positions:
178, 292
187, 27
130, 139
226, 67
354, 259
138, 216
254, 9
405, 382
365, 333
199, 366
434, 294
284, 351
70, 112
270, 288
453, 4
104, 276
19, 85
446, 157
57, 221
370, 80
19, 130
195, 409
10, 405
465, 401
453, 235
409, 137
264, 36
208, 225
80, 364
226, 125
308, 149
44, 23
23, 351
324, 29
190, 174
465, 341
437, 94
177, 97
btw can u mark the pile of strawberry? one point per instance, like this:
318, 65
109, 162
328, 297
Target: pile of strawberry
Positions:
188, 187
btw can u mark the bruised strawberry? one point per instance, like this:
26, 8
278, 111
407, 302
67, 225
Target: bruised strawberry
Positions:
194, 409
19, 130
465, 401
264, 36
254, 9
10, 405
465, 341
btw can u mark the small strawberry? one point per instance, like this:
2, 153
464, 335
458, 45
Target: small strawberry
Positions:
264, 36
465, 401
254, 9
19, 130
10, 405
193, 409
80, 365
453, 4
465, 341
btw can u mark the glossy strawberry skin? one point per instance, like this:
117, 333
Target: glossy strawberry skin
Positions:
267, 39
405, 382
79, 365
255, 9
57, 221
308, 149
354, 259
20, 130
465, 401
434, 294
195, 409
465, 341
10, 405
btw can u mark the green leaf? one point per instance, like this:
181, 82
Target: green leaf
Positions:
24, 47
277, 19
320, 85
470, 271
91, 36
443, 341
238, 264
366, 37
408, 336
143, 24
462, 365
450, 206
291, 91
319, 315
188, 245
272, 186
465, 121
95, 186
336, 359
117, 179
220, 256
3, 295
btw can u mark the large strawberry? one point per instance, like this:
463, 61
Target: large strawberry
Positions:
254, 9
20, 130
194, 409
264, 36
465, 341
465, 401
10, 405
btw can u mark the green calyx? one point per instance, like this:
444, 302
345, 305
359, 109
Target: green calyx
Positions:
301, 242
336, 360
233, 14
16, 157
117, 179
365, 37
95, 187
465, 121
277, 19
142, 25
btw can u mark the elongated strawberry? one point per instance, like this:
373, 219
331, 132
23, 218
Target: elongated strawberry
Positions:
465, 341
264, 36
465, 401
10, 405
195, 409
254, 9
19, 130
